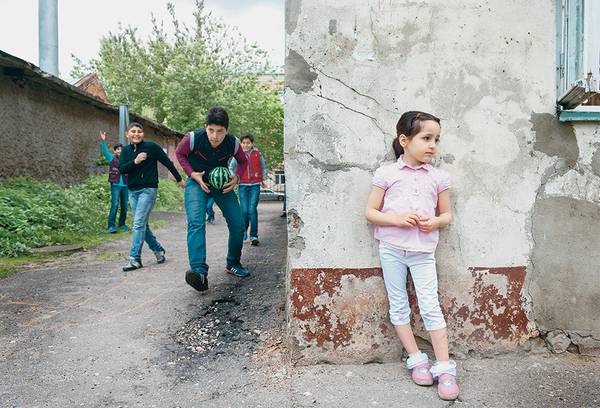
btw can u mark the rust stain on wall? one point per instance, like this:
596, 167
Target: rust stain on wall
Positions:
318, 324
496, 311
492, 312
336, 309
503, 314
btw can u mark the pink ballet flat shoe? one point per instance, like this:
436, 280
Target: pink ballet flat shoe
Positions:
421, 374
447, 387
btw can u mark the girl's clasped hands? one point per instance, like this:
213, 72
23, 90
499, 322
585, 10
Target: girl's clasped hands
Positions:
425, 223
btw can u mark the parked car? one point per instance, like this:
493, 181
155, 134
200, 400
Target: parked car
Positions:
269, 194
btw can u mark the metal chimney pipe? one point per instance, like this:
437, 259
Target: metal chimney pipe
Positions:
48, 36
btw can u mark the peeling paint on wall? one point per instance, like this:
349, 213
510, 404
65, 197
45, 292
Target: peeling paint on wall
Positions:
299, 76
337, 308
554, 138
596, 162
489, 315
292, 12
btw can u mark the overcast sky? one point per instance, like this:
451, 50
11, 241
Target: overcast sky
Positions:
83, 22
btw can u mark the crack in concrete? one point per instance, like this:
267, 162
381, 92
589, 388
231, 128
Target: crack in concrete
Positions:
373, 119
345, 84
341, 166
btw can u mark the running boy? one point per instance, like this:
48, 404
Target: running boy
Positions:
198, 153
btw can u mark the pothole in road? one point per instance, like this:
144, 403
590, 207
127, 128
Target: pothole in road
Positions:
221, 327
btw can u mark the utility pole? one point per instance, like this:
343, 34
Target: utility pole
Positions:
48, 36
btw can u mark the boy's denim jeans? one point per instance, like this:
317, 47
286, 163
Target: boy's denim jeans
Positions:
118, 198
395, 264
210, 212
141, 202
249, 195
195, 200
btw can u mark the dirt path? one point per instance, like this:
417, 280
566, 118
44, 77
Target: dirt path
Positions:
87, 334
84, 333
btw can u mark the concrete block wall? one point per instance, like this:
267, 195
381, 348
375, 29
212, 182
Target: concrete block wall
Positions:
51, 135
521, 256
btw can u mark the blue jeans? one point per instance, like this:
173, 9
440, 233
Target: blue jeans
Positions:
118, 198
210, 212
249, 195
395, 264
195, 200
142, 202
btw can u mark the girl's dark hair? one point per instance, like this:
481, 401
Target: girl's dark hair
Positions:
409, 125
217, 116
135, 124
247, 136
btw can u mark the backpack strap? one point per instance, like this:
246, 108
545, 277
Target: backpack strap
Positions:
192, 137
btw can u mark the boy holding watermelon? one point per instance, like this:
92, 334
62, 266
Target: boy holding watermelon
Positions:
202, 153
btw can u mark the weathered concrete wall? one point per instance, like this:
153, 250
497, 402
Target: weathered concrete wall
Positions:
519, 176
49, 135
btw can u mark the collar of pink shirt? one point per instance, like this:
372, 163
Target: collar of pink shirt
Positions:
401, 164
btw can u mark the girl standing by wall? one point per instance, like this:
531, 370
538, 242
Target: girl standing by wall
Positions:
409, 202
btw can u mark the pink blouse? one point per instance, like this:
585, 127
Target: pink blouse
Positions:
409, 189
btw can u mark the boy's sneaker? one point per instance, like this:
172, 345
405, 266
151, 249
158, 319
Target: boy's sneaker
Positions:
124, 227
447, 387
421, 374
112, 230
160, 256
132, 265
254, 241
238, 271
196, 280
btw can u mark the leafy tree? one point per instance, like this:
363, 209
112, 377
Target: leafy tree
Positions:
176, 78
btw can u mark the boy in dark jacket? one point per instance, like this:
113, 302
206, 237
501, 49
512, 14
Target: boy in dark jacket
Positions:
198, 153
139, 161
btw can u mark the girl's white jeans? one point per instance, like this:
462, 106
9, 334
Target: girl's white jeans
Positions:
395, 264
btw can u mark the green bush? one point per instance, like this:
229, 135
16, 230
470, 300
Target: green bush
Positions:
35, 213
169, 197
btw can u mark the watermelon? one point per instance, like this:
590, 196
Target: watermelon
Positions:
218, 177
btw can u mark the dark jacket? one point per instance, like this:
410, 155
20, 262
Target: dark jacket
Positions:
195, 153
145, 174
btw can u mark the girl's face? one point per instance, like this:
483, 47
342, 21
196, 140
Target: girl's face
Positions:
135, 135
423, 146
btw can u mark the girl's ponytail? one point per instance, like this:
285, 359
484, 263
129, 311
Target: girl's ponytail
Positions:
409, 125
398, 149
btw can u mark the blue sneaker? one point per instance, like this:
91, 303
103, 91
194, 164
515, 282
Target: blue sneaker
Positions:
238, 271
124, 228
112, 230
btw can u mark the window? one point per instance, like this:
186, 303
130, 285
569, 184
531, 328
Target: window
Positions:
578, 59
